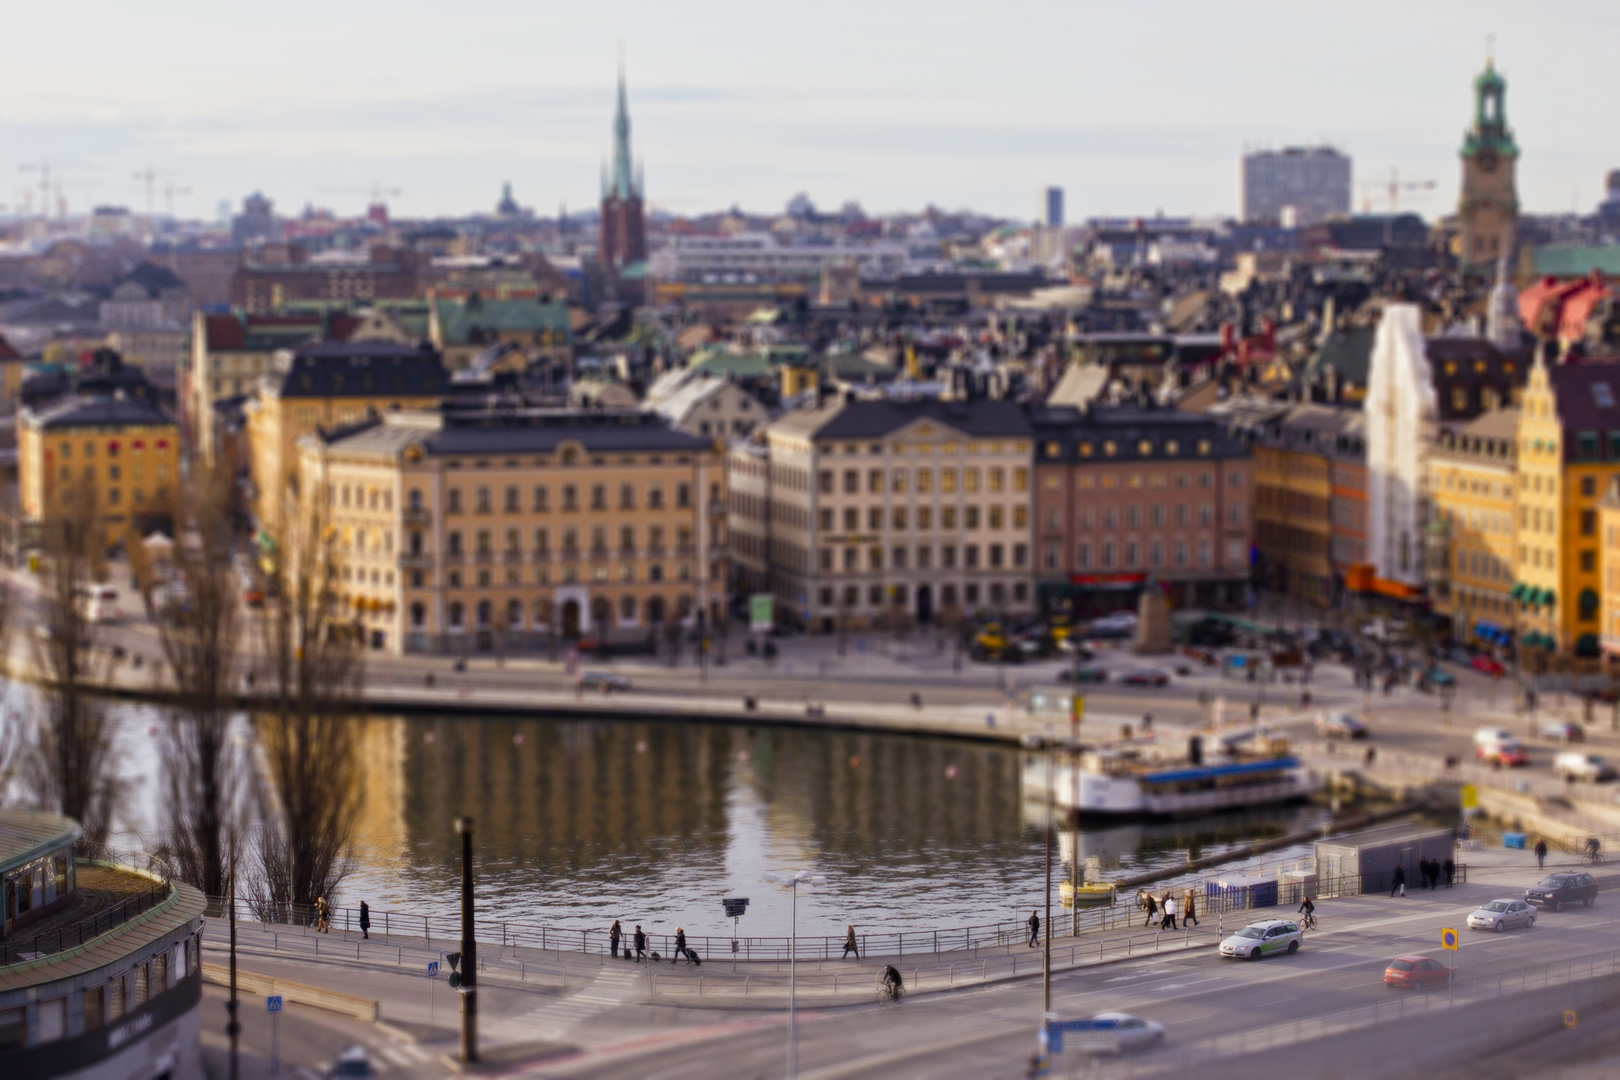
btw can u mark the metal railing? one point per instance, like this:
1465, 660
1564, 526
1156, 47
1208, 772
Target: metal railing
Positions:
87, 928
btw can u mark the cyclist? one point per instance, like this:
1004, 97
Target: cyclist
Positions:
1593, 847
892, 986
1309, 909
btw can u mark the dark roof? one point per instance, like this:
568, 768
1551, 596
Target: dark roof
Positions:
1065, 433
25, 835
155, 279
518, 431
983, 417
97, 411
335, 369
1588, 402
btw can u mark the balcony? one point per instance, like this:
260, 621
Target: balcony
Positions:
419, 517
570, 554
540, 555
419, 561
486, 557
455, 558
599, 554
511, 555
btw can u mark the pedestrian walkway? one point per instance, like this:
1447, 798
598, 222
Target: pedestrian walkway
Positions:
614, 985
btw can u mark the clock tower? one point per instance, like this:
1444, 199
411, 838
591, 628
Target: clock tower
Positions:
1489, 208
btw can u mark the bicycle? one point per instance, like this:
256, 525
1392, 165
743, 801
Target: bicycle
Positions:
889, 992
1592, 858
1308, 922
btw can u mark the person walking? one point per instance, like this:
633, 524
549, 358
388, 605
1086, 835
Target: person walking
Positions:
1189, 910
322, 925
680, 946
1169, 922
1541, 853
1034, 929
1152, 907
1423, 872
1451, 872
365, 921
849, 944
1399, 883
641, 944
614, 933
1434, 873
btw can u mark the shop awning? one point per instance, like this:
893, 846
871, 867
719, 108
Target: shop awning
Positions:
1519, 590
1549, 597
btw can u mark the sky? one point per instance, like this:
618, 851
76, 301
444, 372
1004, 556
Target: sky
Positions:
1132, 108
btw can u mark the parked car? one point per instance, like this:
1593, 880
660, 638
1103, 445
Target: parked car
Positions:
1563, 731
1263, 939
1146, 678
1340, 725
351, 1061
1557, 891
597, 680
1416, 972
1487, 665
1084, 675
1500, 915
1580, 765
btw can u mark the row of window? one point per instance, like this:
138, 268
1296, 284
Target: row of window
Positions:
1088, 517
137, 473
878, 596
995, 557
899, 481
569, 496
1144, 448
137, 447
484, 541
1111, 481
544, 614
900, 518
1545, 557
1131, 554
600, 574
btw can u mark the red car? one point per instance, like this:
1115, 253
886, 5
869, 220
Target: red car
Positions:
1416, 972
1503, 753
1488, 666
1146, 678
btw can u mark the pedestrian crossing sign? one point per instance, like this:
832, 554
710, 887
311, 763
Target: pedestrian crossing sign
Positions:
1448, 939
1470, 797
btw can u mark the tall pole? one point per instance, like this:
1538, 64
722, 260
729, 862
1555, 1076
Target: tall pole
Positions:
234, 1027
1046, 958
469, 948
793, 971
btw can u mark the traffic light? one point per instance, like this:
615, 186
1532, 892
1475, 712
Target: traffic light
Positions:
455, 964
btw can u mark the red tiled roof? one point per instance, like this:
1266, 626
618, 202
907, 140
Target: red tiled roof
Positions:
224, 332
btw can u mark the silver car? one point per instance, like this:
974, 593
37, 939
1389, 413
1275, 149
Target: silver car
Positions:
1500, 915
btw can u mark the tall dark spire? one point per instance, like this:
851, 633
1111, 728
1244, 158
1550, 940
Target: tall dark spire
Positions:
623, 179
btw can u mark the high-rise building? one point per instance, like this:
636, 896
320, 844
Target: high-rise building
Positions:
1488, 210
1297, 185
623, 228
256, 222
1054, 208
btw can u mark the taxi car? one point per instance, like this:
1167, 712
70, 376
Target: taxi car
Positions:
1263, 939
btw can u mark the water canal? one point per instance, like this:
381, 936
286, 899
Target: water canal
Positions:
580, 822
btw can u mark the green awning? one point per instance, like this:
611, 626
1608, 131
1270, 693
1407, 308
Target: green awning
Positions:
1518, 591
1549, 597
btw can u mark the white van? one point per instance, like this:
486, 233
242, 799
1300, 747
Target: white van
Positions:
1490, 736
102, 605
1580, 765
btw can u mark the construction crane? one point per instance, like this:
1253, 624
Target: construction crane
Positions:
149, 175
376, 192
1392, 189
44, 170
169, 192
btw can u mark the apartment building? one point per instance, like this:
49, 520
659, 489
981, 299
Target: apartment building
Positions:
1568, 453
124, 448
891, 512
327, 384
1473, 486
1131, 497
470, 531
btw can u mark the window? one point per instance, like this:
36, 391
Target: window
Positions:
824, 481
1020, 517
483, 506
970, 481
947, 557
627, 496
512, 500
570, 497
898, 480
1083, 557
874, 558
970, 517
925, 481
852, 519
1588, 522
851, 559
1589, 561
947, 518
874, 482
683, 496
970, 556
897, 558
542, 499
998, 516
874, 518
1020, 479
925, 518
899, 517
655, 496
598, 497
947, 481
852, 482
1020, 555
1603, 395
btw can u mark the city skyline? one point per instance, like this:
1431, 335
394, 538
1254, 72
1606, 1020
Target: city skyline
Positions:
857, 108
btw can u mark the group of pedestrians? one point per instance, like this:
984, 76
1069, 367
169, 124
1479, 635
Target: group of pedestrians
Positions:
616, 933
1169, 909
1429, 873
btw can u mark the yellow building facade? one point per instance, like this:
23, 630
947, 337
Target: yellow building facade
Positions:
125, 449
462, 532
1473, 482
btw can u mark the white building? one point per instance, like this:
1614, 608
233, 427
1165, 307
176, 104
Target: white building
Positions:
1402, 420
762, 257
1298, 185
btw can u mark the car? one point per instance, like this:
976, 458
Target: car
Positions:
603, 680
1563, 731
1556, 891
1416, 972
1146, 678
1500, 915
1487, 665
351, 1061
1580, 765
1074, 648
1340, 725
1122, 1033
1263, 939
1507, 752
1084, 675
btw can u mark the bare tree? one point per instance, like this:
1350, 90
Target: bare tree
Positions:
200, 638
309, 789
73, 766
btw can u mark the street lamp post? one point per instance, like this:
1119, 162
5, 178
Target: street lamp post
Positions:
469, 948
793, 881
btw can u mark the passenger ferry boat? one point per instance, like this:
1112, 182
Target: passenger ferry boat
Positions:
1128, 780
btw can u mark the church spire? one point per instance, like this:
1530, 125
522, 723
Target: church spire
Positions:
624, 186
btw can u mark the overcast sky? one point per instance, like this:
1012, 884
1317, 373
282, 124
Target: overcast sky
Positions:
1132, 107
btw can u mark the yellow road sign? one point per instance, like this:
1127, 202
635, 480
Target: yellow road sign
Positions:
1448, 939
1470, 797
1077, 711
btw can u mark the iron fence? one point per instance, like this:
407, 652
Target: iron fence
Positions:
74, 933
